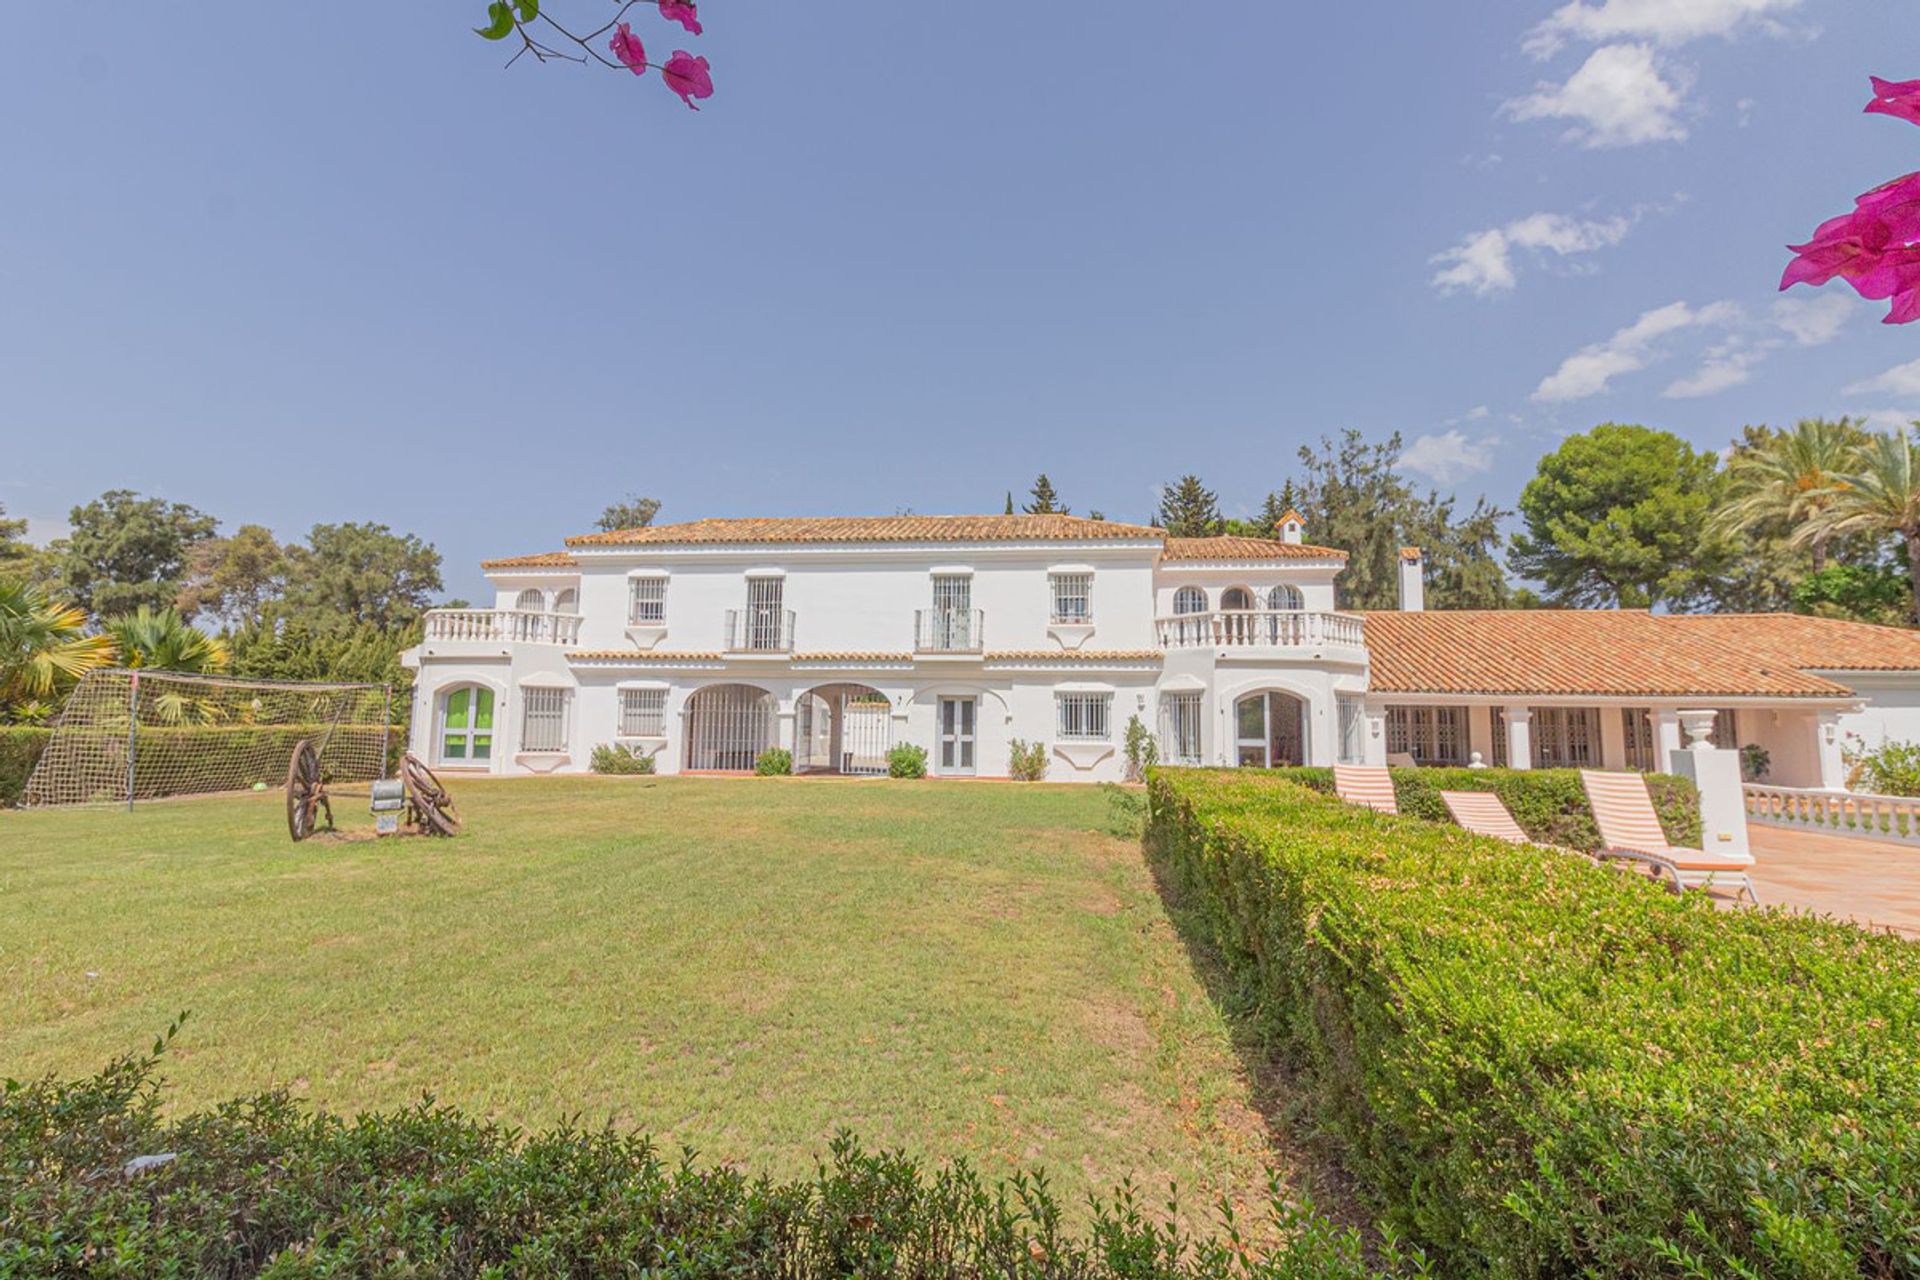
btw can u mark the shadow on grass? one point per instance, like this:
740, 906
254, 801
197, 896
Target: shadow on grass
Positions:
1308, 1155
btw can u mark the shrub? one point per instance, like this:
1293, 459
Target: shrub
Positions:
1756, 762
907, 760
1549, 804
774, 762
619, 758
1026, 761
20, 749
262, 1187
1891, 769
1541, 1067
1141, 752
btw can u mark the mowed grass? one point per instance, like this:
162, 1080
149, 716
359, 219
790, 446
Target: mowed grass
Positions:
741, 966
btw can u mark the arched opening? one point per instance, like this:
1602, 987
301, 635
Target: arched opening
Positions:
1190, 600
842, 728
1236, 598
728, 726
463, 725
532, 600
1270, 730
566, 600
1281, 597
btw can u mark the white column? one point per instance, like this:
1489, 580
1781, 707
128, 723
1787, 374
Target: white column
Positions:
1716, 772
1519, 736
1827, 746
1666, 738
1375, 748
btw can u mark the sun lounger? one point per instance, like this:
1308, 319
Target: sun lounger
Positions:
1370, 785
1631, 830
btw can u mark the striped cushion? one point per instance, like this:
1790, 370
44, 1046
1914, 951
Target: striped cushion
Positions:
1624, 812
1369, 785
1482, 813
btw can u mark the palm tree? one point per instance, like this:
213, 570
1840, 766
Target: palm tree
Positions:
1879, 495
161, 640
1791, 477
44, 647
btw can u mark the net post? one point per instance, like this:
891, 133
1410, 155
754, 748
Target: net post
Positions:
386, 727
133, 729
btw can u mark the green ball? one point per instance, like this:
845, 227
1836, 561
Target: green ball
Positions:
259, 786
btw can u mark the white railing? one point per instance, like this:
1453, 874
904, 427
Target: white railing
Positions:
948, 630
1260, 628
514, 626
759, 629
1835, 813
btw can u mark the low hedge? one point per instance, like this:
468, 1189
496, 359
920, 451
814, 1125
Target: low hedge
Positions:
1549, 804
263, 1187
20, 748
1541, 1067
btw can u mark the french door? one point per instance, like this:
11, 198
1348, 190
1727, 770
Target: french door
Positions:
957, 720
952, 612
765, 614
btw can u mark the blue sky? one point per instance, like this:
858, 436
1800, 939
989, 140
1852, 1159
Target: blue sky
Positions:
289, 264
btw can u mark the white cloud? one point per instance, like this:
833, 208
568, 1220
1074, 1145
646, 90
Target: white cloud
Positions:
1447, 456
1589, 371
1667, 22
1618, 98
1725, 364
1891, 419
1901, 380
1815, 321
1478, 412
1483, 264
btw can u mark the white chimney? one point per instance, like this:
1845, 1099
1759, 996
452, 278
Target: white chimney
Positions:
1413, 580
1292, 526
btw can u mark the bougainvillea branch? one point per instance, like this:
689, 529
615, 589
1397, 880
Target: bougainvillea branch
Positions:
1874, 247
548, 41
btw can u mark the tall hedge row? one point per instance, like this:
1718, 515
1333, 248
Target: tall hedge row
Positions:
1549, 804
1545, 1068
263, 1187
20, 748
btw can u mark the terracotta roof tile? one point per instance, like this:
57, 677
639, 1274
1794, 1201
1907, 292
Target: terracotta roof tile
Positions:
1607, 653
853, 656
789, 529
640, 655
1074, 655
538, 560
1237, 548
1812, 644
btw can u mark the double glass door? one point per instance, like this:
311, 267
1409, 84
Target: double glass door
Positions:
957, 722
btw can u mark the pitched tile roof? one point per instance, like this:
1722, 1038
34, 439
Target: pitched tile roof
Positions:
788, 529
538, 560
1236, 548
1814, 644
1606, 653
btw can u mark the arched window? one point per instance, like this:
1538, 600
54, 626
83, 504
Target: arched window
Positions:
1189, 600
1285, 597
566, 600
466, 724
1236, 598
532, 600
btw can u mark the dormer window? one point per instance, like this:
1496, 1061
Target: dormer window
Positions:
1072, 597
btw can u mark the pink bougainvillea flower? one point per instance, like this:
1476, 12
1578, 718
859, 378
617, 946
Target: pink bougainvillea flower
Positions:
626, 47
1899, 98
687, 76
682, 12
1848, 246
1897, 204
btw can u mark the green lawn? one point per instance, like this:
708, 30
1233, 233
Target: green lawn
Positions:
741, 966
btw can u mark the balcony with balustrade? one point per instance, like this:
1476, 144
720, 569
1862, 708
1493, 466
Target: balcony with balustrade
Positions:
1282, 630
949, 631
502, 626
757, 630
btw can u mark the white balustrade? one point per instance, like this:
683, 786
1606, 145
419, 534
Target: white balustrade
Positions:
510, 626
1261, 628
1838, 813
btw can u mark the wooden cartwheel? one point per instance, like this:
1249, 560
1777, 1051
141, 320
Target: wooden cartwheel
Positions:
306, 792
429, 806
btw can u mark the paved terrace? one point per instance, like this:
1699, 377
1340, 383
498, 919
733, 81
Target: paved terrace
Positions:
1871, 882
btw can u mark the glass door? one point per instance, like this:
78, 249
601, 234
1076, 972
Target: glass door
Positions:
764, 614
952, 613
957, 734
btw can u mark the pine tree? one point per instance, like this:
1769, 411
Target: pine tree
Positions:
1045, 501
1276, 506
1188, 509
1009, 502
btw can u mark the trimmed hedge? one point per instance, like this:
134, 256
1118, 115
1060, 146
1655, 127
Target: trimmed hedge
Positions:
262, 1187
1549, 804
1541, 1067
20, 748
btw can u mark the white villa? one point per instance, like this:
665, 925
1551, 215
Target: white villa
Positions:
702, 644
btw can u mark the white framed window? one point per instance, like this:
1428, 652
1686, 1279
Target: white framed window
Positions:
643, 713
1285, 596
1352, 710
1431, 735
1072, 596
532, 600
1083, 717
1190, 600
566, 600
646, 601
1180, 728
1566, 737
543, 719
466, 724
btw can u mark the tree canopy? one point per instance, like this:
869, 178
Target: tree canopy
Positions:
631, 512
1044, 501
1188, 509
349, 574
126, 551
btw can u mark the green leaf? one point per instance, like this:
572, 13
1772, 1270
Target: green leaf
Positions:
500, 21
529, 9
